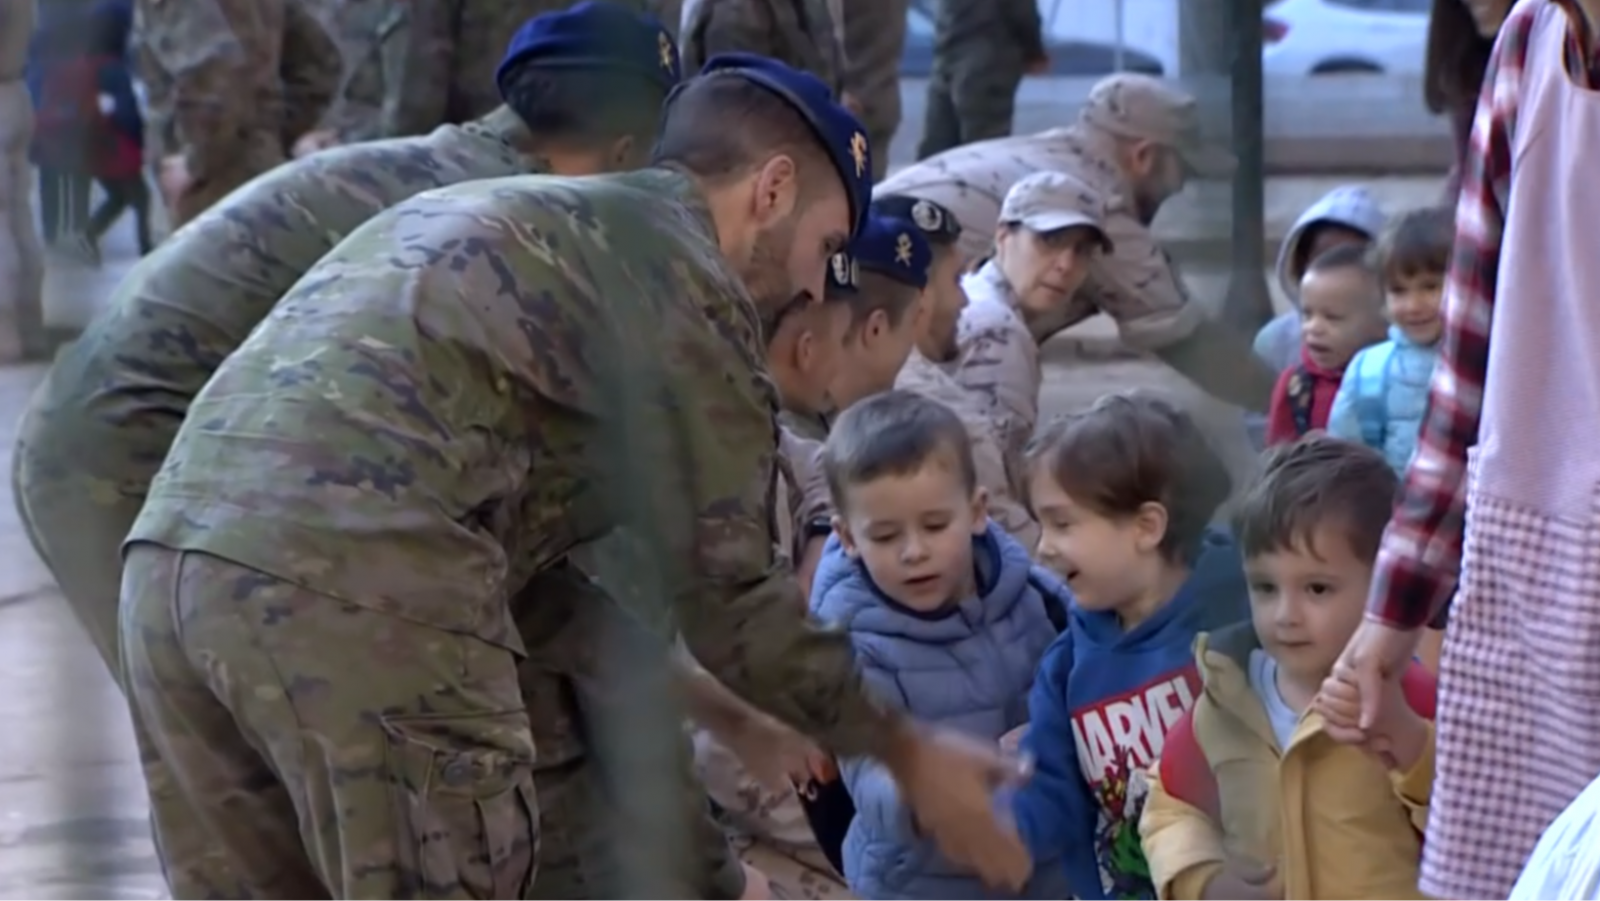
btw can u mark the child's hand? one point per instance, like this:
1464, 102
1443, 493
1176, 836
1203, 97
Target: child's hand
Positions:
1244, 879
1397, 737
1011, 742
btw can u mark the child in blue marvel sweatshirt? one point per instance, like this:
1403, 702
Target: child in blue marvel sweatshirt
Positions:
1123, 494
947, 613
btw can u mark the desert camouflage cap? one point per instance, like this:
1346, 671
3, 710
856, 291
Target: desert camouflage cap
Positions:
1050, 201
841, 134
1131, 105
595, 33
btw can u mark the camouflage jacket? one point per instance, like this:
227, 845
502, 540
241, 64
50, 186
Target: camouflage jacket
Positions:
488, 375
1136, 284
225, 76
117, 396
798, 32
999, 473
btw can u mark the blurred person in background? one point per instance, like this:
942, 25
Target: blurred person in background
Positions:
118, 161
1460, 35
62, 82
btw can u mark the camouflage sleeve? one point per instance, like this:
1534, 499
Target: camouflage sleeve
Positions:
311, 67
1139, 287
1002, 478
998, 367
207, 51
805, 489
1026, 26
417, 45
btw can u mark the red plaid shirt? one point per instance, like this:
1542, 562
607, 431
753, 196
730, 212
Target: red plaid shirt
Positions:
1421, 553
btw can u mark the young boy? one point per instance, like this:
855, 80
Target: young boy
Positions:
1252, 797
1385, 388
925, 371
1123, 494
947, 613
1341, 311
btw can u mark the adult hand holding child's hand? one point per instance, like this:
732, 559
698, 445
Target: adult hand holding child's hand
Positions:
1243, 879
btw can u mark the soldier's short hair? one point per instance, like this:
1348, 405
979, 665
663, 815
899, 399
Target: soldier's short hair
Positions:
1318, 482
879, 292
1134, 448
894, 433
583, 105
720, 126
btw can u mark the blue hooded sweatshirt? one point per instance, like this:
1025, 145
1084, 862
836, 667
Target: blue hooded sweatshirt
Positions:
1099, 713
968, 667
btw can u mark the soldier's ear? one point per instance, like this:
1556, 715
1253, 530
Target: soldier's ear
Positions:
776, 189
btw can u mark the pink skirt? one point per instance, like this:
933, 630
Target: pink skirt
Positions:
1519, 705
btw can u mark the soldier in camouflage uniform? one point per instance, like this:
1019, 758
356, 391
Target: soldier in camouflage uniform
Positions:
1136, 143
232, 84
317, 631
805, 34
874, 41
981, 50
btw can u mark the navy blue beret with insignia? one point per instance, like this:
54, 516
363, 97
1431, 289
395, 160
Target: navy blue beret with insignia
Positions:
595, 34
841, 133
842, 275
936, 222
894, 248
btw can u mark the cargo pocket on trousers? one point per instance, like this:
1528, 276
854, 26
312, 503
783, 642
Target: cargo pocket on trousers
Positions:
467, 815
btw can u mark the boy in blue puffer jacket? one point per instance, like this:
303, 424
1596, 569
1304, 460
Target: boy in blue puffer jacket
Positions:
947, 613
1385, 388
1123, 494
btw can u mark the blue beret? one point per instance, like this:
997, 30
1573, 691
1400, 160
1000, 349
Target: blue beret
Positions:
894, 248
840, 132
936, 223
598, 34
842, 275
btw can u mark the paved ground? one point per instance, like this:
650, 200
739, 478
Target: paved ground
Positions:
71, 805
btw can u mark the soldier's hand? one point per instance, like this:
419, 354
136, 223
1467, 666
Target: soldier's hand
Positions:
1039, 65
777, 756
948, 782
851, 103
313, 141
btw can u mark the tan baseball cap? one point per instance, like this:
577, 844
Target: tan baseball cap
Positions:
1050, 201
1147, 108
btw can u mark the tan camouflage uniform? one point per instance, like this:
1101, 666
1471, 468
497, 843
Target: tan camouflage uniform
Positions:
801, 33
308, 531
232, 84
874, 41
1000, 476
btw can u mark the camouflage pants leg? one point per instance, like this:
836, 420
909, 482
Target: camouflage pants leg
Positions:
984, 95
562, 615
941, 126
76, 524
331, 750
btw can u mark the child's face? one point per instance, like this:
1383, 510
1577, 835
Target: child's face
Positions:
1413, 304
874, 355
1104, 560
1305, 603
805, 353
914, 533
944, 300
1340, 314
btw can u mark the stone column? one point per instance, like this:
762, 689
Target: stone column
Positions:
22, 333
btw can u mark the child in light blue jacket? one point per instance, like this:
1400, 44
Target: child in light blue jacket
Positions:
948, 615
1385, 389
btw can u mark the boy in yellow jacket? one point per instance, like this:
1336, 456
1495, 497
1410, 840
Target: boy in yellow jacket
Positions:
1251, 798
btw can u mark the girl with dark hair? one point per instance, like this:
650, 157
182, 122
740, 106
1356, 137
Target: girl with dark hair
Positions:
1460, 35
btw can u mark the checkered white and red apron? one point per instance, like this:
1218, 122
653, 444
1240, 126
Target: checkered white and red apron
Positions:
1519, 711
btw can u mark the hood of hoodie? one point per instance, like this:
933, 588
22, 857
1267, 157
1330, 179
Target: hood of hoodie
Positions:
1214, 596
1352, 206
844, 594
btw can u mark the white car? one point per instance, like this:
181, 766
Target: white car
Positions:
1338, 37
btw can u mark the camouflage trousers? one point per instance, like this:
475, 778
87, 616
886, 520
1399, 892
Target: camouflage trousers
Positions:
329, 750
76, 526
968, 100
